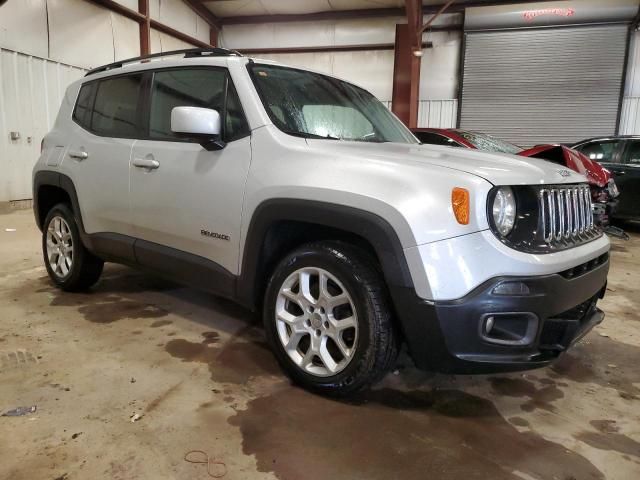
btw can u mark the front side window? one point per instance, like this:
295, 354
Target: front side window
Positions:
312, 105
116, 112
204, 88
600, 151
487, 143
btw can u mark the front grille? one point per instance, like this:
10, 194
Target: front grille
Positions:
566, 214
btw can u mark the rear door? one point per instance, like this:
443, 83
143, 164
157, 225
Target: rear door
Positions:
106, 122
187, 211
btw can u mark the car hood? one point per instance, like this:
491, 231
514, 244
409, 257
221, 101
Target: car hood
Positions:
499, 169
595, 174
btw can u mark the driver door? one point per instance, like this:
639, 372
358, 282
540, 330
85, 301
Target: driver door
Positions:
186, 202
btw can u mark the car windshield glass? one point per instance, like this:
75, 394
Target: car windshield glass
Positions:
488, 143
312, 105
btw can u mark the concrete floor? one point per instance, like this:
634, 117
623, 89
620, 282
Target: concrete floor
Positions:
197, 370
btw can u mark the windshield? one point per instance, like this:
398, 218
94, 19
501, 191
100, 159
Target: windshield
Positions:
488, 143
312, 105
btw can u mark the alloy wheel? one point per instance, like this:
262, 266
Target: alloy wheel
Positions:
317, 322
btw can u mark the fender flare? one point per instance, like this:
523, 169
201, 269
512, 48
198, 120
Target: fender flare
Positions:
62, 181
369, 226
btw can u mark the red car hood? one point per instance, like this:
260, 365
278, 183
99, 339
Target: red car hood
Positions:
596, 175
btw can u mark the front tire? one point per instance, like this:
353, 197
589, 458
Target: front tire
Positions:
327, 316
69, 264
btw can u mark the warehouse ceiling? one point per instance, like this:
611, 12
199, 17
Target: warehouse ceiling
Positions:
234, 8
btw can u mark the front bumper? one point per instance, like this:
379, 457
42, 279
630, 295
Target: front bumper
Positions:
529, 330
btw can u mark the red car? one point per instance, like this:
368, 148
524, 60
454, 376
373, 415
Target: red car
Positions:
603, 188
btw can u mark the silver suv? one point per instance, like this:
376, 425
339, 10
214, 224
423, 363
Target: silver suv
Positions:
301, 195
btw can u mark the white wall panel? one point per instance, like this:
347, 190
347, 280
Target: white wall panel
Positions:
440, 66
437, 113
176, 14
80, 33
132, 4
202, 30
161, 42
630, 116
372, 70
126, 37
31, 90
23, 26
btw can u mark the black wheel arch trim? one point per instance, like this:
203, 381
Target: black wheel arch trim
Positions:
369, 226
62, 181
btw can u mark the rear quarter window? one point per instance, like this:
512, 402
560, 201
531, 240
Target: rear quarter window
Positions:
84, 105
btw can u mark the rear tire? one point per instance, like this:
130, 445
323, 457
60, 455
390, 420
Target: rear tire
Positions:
328, 319
69, 264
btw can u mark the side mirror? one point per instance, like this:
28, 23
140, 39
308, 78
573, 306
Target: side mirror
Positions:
200, 123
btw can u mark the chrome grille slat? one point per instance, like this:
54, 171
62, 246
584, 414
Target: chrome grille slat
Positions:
566, 213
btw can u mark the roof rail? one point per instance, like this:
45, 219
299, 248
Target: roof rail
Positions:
188, 53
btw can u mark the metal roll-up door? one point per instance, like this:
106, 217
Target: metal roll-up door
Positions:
552, 85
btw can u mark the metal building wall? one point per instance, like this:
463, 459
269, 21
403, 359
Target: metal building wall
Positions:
553, 85
31, 91
630, 114
40, 54
372, 69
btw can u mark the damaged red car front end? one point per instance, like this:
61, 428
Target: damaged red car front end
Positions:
603, 188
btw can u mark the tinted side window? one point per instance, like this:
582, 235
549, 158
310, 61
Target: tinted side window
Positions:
435, 139
601, 151
116, 112
183, 88
633, 155
84, 105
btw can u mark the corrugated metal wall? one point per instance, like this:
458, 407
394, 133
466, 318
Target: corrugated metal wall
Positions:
630, 115
544, 85
437, 113
31, 90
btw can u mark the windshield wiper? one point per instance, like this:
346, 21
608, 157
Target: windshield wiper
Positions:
310, 135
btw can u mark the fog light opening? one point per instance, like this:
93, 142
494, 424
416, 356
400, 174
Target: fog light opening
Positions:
509, 328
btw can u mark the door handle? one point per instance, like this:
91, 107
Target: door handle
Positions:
146, 163
619, 172
80, 155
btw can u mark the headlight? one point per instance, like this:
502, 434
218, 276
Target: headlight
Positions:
504, 210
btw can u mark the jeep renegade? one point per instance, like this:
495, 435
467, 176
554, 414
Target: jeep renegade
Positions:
301, 195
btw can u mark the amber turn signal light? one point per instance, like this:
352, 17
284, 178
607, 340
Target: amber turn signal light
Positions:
460, 204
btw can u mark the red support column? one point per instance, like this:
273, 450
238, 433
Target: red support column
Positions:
213, 36
406, 76
145, 28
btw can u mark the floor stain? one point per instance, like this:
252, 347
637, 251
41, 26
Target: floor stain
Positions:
161, 323
242, 357
589, 363
605, 426
610, 441
156, 402
210, 338
519, 422
519, 387
393, 434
